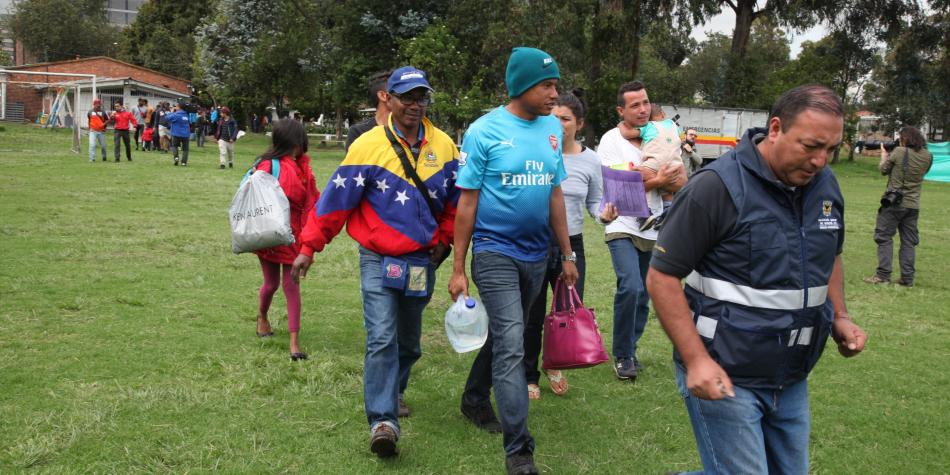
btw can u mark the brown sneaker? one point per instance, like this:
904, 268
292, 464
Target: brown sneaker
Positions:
383, 441
904, 283
404, 409
874, 279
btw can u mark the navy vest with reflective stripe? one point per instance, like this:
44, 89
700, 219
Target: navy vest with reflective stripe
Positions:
759, 296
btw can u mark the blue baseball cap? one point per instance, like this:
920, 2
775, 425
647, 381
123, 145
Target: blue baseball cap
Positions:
406, 79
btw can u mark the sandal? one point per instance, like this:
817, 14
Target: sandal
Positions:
557, 381
534, 392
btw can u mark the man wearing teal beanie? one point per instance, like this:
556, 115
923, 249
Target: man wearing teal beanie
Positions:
527, 67
510, 172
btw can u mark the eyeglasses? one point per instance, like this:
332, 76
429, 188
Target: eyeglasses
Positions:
407, 100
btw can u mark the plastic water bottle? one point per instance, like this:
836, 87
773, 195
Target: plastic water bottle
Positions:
466, 324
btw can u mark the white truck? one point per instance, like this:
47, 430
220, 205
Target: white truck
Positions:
717, 128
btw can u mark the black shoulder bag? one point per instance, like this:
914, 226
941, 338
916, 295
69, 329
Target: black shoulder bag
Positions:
411, 172
894, 197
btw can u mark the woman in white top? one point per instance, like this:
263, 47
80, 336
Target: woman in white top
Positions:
583, 190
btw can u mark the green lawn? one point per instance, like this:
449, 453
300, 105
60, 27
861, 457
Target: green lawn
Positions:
127, 343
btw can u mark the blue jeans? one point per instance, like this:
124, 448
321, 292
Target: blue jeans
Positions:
631, 302
757, 432
94, 139
507, 287
393, 324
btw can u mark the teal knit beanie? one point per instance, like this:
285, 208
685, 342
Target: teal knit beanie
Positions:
527, 67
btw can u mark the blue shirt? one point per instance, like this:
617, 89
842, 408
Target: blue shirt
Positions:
515, 164
178, 123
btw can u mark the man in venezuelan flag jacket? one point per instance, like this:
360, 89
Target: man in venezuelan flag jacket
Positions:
401, 239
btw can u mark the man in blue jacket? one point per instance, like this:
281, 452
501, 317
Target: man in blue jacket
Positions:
758, 236
180, 126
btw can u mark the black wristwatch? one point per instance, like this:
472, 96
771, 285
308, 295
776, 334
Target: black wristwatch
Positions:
571, 258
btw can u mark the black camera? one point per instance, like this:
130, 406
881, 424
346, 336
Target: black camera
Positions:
189, 107
875, 145
891, 198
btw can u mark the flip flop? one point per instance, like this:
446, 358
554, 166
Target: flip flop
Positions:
265, 334
557, 381
534, 392
298, 356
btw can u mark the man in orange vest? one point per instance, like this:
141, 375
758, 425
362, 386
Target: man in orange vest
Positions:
97, 120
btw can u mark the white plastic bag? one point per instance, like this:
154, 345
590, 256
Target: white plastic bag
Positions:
260, 215
466, 324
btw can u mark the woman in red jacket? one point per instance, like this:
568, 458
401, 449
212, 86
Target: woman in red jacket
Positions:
289, 146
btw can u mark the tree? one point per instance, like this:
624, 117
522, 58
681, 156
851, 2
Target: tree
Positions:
162, 36
5, 59
721, 81
909, 87
63, 29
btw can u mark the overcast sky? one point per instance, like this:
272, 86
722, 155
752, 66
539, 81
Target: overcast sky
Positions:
726, 21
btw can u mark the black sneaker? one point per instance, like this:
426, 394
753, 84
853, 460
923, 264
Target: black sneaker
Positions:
383, 441
483, 417
176, 161
184, 164
904, 283
521, 463
222, 166
404, 410
230, 164
658, 222
647, 223
626, 368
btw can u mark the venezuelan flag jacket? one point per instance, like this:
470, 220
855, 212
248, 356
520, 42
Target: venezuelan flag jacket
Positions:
381, 207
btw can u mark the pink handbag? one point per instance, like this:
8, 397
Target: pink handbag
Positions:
571, 337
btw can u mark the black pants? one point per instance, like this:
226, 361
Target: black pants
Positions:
183, 143
138, 133
120, 137
200, 136
891, 220
535, 324
156, 139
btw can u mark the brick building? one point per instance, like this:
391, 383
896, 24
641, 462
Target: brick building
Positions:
28, 98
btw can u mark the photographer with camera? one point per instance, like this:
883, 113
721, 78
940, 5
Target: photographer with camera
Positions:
906, 166
692, 161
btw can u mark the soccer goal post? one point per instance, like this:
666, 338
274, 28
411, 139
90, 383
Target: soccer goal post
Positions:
59, 104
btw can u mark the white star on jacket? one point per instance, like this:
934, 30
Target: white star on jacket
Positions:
402, 197
433, 194
381, 184
359, 179
340, 181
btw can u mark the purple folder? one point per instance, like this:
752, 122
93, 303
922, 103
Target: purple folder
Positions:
625, 190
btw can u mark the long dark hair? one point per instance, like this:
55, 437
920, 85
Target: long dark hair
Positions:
286, 135
911, 137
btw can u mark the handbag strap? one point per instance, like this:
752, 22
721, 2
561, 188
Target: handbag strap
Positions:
569, 295
411, 171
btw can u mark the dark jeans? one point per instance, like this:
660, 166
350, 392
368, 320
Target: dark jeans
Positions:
138, 133
535, 326
507, 287
183, 143
631, 302
156, 139
889, 221
200, 136
122, 136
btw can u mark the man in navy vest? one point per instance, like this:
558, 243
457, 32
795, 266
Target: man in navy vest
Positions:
758, 236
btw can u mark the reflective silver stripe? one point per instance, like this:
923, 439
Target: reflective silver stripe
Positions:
774, 299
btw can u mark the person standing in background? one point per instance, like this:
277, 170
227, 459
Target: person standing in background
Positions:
226, 134
98, 120
124, 121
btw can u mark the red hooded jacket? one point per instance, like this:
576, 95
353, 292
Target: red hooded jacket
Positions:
297, 182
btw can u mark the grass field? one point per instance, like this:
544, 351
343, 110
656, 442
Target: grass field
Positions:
127, 343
